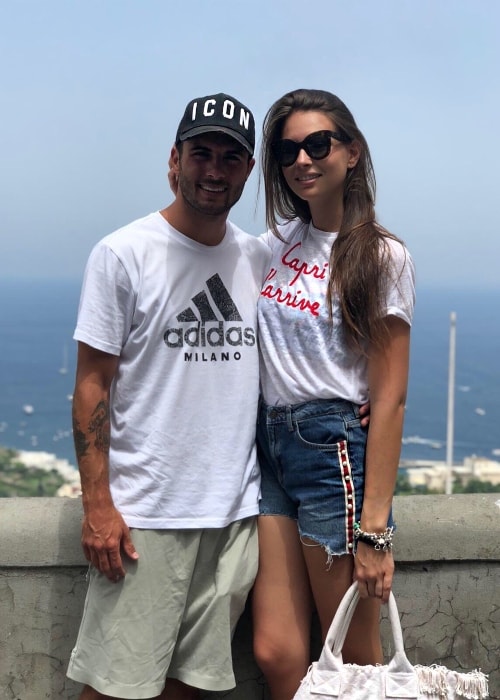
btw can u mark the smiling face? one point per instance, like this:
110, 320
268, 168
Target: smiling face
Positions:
319, 182
212, 170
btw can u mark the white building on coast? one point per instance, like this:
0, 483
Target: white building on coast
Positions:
49, 462
433, 474
428, 473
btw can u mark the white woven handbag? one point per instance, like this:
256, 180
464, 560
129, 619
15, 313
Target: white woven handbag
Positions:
329, 677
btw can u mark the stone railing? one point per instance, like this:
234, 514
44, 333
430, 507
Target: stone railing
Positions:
447, 586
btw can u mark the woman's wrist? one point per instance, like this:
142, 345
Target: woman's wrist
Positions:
378, 540
375, 514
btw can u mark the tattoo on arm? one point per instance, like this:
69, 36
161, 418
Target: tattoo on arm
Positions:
99, 425
81, 443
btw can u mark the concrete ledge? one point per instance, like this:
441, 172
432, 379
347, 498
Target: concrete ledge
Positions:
447, 528
39, 532
447, 587
429, 528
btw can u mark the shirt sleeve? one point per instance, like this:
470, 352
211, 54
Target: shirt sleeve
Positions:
266, 237
400, 299
106, 307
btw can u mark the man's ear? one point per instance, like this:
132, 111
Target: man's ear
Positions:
251, 163
174, 160
174, 169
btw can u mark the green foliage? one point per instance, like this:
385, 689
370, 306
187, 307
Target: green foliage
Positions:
16, 479
404, 488
476, 486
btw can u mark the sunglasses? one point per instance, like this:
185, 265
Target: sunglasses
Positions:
317, 146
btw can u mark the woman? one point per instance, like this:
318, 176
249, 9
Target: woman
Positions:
334, 329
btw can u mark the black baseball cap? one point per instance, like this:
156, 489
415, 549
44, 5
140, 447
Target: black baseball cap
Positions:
218, 113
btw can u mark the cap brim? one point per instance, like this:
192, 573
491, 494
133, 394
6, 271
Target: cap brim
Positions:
210, 129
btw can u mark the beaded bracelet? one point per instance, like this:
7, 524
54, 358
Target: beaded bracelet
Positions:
381, 541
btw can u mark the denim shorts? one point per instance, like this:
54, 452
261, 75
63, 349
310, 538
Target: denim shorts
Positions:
312, 458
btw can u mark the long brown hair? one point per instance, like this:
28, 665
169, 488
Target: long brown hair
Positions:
359, 257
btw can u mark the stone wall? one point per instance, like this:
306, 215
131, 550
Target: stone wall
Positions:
447, 587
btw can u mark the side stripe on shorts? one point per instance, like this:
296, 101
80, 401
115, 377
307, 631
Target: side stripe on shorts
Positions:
349, 495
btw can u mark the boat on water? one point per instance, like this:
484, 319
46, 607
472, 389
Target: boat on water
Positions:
63, 369
28, 409
417, 440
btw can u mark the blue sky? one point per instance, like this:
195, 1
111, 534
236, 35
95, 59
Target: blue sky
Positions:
92, 91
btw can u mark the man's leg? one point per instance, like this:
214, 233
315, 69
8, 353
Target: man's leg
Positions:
174, 690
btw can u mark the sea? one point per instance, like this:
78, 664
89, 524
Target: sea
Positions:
38, 358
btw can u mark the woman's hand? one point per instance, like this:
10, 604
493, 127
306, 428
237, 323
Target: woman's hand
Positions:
374, 571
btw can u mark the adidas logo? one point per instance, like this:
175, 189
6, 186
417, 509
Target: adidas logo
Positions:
213, 321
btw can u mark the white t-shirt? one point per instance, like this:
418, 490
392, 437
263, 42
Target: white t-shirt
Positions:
182, 316
305, 356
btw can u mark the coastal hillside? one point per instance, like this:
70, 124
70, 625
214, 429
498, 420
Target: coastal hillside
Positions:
36, 474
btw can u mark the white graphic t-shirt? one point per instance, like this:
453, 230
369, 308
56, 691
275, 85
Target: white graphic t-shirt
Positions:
304, 356
182, 316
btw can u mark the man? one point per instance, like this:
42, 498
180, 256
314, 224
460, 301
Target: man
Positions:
164, 415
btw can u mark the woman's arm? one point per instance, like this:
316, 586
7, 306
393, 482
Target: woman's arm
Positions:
387, 379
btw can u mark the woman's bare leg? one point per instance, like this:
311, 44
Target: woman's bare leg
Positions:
329, 582
281, 607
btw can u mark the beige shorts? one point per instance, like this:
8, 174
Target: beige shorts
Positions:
173, 615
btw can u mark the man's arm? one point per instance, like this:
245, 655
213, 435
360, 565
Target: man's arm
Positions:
104, 532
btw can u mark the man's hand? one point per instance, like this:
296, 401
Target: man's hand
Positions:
364, 414
105, 536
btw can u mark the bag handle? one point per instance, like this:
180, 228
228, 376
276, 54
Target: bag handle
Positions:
331, 656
